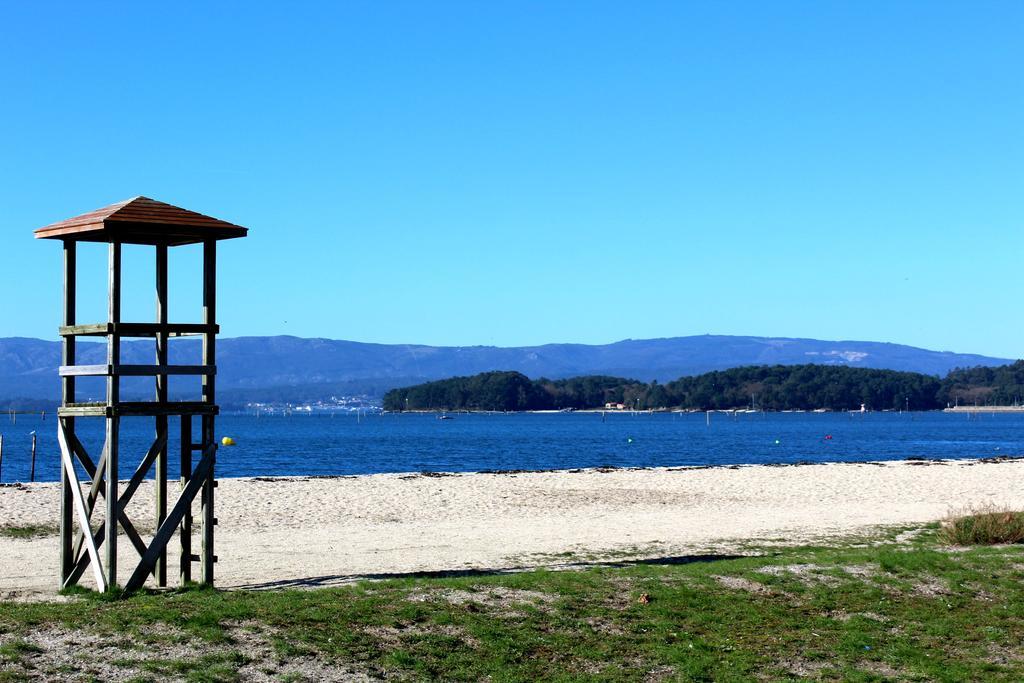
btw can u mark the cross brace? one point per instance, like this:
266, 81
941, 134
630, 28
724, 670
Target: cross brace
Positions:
84, 504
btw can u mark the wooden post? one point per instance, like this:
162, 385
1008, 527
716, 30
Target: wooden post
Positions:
32, 468
161, 398
209, 439
113, 398
186, 521
1, 457
207, 557
67, 507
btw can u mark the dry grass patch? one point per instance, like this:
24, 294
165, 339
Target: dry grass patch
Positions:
742, 584
804, 668
807, 574
843, 615
861, 571
160, 652
1001, 654
393, 636
930, 587
499, 597
604, 625
987, 524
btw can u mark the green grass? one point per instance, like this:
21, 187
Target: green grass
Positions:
28, 531
849, 611
15, 650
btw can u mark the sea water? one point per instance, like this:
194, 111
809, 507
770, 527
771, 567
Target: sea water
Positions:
349, 444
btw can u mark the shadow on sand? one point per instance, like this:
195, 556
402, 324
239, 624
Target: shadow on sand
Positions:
344, 579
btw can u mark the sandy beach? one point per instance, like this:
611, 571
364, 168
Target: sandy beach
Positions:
308, 532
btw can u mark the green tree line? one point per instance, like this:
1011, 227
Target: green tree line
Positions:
774, 387
998, 386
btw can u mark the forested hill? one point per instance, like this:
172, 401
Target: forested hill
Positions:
776, 387
984, 386
512, 391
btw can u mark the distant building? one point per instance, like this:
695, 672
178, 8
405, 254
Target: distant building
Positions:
614, 406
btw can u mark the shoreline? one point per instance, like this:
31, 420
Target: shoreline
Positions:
603, 469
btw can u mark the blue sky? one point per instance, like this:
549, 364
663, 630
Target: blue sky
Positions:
521, 173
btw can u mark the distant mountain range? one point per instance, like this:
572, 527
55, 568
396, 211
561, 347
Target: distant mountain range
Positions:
295, 369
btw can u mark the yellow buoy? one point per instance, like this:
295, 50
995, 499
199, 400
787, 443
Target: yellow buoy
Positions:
227, 441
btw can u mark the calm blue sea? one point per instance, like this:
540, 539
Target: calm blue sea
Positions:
325, 445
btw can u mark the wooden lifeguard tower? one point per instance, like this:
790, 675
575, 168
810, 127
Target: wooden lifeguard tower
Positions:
146, 222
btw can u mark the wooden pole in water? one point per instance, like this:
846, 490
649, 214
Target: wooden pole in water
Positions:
1, 457
32, 470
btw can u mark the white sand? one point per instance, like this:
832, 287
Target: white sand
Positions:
312, 532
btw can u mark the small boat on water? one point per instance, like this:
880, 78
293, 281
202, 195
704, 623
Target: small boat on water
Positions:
442, 416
